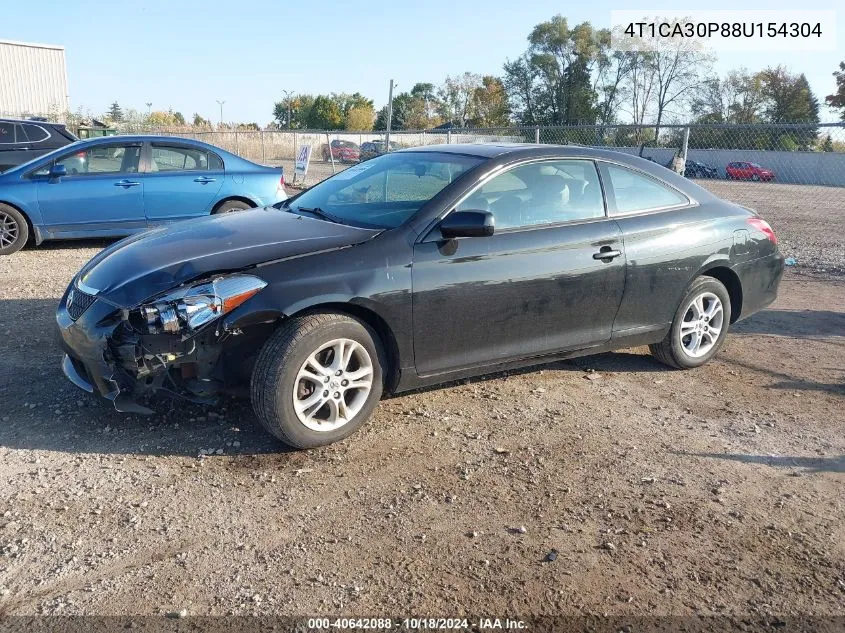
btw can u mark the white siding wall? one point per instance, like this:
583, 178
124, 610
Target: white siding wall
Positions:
33, 79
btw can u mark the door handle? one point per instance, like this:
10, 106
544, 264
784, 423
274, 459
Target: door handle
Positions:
204, 179
127, 183
607, 254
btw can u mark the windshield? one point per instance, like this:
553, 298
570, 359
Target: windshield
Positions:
387, 190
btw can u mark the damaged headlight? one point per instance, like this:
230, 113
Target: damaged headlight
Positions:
187, 309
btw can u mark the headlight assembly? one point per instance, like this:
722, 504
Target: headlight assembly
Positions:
187, 309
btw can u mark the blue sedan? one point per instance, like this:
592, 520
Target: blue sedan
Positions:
119, 185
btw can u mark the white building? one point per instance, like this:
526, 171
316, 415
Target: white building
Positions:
33, 79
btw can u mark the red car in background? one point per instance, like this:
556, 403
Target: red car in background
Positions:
345, 151
748, 171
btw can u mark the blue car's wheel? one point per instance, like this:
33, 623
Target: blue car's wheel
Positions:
230, 206
14, 231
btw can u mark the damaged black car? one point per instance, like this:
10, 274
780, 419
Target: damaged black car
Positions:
415, 268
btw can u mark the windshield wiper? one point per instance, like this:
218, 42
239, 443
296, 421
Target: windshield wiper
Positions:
319, 213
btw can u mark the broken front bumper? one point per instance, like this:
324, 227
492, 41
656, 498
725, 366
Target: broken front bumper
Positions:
89, 362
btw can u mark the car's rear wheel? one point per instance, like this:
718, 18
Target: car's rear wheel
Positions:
230, 206
755, 177
318, 379
699, 328
14, 231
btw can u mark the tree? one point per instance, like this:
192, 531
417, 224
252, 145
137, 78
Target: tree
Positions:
160, 119
360, 118
200, 122
115, 113
523, 90
325, 114
300, 111
789, 99
837, 99
455, 96
489, 104
611, 73
178, 118
677, 74
827, 146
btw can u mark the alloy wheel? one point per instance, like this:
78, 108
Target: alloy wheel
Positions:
9, 230
333, 384
702, 324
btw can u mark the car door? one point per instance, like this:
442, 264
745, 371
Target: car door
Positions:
536, 286
181, 181
101, 193
665, 241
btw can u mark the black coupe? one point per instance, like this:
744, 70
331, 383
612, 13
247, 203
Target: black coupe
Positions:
417, 267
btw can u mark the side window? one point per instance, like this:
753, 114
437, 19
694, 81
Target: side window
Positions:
7, 133
540, 193
35, 133
634, 191
175, 158
215, 163
102, 159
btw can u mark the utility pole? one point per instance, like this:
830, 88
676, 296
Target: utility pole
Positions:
220, 103
149, 107
389, 117
288, 94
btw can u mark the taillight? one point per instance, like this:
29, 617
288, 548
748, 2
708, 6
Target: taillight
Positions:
282, 181
761, 225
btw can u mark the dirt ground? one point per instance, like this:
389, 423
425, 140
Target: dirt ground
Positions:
659, 492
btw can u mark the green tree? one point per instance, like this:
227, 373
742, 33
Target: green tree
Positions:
178, 118
300, 109
325, 114
523, 90
827, 146
115, 112
789, 99
837, 99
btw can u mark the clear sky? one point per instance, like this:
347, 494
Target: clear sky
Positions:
186, 55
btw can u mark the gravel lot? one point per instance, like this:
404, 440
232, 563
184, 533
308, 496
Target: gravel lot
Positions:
716, 491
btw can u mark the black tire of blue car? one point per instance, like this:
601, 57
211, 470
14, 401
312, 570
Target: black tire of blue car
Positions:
14, 231
671, 350
276, 380
230, 206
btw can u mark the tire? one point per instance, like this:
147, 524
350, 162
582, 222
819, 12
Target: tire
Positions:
674, 350
230, 206
755, 177
278, 382
14, 231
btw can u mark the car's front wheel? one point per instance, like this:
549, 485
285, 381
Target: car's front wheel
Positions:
699, 328
14, 231
318, 379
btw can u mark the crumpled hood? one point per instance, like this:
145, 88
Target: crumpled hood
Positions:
152, 262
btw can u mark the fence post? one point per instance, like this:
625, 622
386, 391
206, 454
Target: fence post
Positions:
537, 135
684, 150
237, 144
331, 153
449, 136
263, 150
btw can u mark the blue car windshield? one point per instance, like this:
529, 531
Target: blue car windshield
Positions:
385, 191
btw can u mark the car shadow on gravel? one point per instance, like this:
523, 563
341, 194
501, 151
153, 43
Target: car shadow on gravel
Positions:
793, 323
809, 464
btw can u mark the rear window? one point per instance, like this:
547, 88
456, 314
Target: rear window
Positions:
35, 133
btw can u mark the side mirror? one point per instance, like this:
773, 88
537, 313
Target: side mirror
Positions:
57, 171
467, 224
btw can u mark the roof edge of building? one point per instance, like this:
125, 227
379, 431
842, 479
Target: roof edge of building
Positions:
33, 44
